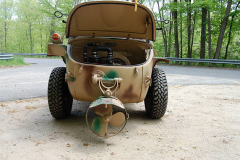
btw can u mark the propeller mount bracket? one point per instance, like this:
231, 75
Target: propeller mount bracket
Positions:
107, 85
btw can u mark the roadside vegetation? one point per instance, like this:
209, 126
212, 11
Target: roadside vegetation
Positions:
16, 61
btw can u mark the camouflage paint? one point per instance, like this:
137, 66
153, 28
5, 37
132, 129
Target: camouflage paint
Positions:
71, 79
67, 59
97, 124
111, 74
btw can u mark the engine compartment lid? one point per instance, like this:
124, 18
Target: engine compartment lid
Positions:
111, 19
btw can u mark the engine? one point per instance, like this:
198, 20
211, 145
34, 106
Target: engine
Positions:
110, 59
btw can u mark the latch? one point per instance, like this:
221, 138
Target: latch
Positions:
80, 69
136, 3
136, 71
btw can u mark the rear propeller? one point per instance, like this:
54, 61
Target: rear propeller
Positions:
104, 108
100, 124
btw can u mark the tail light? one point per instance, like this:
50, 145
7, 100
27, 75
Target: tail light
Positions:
56, 38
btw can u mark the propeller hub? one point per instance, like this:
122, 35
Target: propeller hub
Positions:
107, 118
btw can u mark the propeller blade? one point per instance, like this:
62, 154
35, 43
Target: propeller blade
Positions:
102, 110
117, 120
99, 126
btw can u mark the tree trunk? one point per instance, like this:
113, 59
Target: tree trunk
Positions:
41, 37
30, 34
222, 30
5, 26
189, 28
221, 1
229, 35
181, 44
165, 41
193, 29
176, 31
164, 33
203, 33
7, 10
5, 40
209, 37
169, 36
163, 29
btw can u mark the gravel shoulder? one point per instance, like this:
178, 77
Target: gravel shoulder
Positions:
201, 122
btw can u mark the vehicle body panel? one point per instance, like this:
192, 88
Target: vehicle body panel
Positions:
106, 19
111, 19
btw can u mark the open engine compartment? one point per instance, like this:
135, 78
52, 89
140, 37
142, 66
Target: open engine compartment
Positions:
108, 51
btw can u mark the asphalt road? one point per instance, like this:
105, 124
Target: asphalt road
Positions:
31, 81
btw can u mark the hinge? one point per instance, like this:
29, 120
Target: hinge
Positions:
136, 71
148, 81
69, 77
147, 24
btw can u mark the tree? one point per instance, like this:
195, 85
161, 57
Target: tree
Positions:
169, 35
222, 30
189, 27
209, 36
193, 30
26, 14
230, 31
6, 14
164, 35
181, 30
203, 33
176, 29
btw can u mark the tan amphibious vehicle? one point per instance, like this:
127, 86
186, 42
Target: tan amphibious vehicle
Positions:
109, 61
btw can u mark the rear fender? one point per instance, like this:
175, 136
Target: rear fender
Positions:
155, 60
56, 50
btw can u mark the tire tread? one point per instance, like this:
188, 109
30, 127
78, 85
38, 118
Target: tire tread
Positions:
157, 96
59, 97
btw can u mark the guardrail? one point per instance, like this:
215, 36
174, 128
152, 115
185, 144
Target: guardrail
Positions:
210, 61
4, 56
30, 54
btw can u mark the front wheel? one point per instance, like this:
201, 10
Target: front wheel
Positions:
157, 95
59, 97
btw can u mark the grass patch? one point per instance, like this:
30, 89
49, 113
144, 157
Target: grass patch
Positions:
16, 61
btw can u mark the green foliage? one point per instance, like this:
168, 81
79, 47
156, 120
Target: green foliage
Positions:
217, 12
26, 26
16, 61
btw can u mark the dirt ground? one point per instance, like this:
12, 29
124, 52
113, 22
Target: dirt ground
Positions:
201, 122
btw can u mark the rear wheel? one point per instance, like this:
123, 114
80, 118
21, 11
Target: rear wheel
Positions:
157, 96
59, 97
